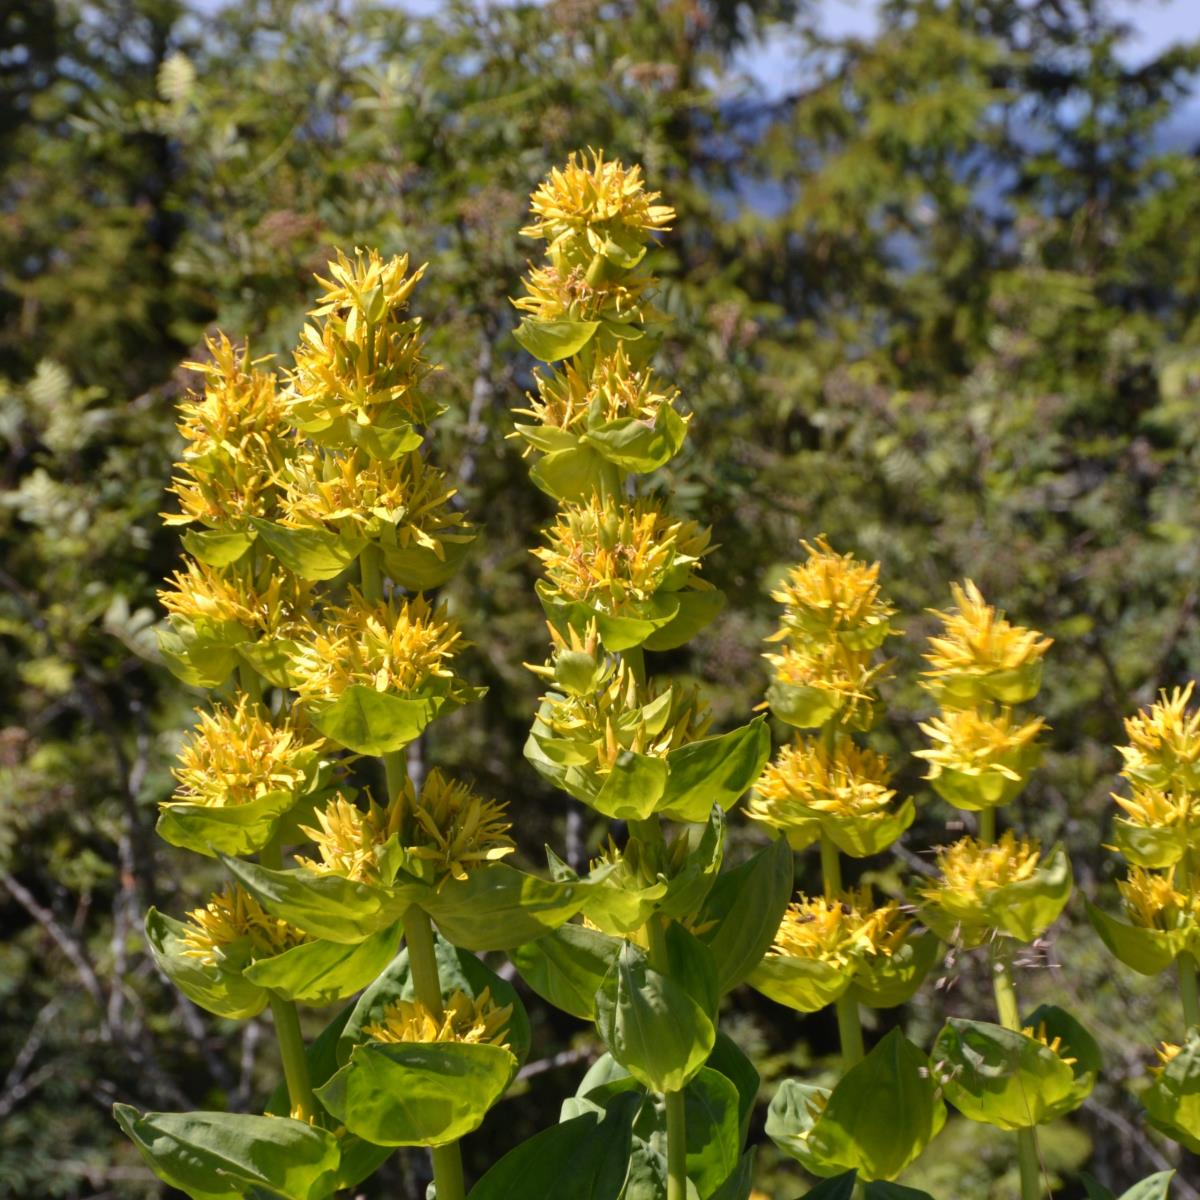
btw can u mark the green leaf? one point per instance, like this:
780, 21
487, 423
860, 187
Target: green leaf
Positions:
742, 911
861, 837
313, 554
695, 610
574, 474
1148, 846
650, 1024
419, 569
1095, 1190
636, 446
322, 972
884, 981
841, 1187
803, 984
729, 1058
883, 1112
211, 1155
236, 829
591, 1151
1147, 951
712, 1123
740, 1183
567, 967
498, 907
221, 990
1013, 1081
717, 770
370, 722
550, 341
417, 1094
882, 1190
1153, 1187
272, 658
1172, 1101
633, 788
327, 906
217, 547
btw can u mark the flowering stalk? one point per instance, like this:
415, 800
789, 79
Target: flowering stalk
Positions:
979, 669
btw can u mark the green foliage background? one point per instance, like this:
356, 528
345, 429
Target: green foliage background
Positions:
938, 296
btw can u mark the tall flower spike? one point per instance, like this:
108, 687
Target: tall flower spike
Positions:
1164, 744
981, 656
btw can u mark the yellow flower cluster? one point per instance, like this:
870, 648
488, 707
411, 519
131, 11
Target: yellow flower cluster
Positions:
1152, 901
840, 929
236, 754
359, 364
233, 919
478, 1021
393, 646
809, 777
235, 442
592, 200
614, 555
623, 714
612, 391
267, 601
448, 826
969, 868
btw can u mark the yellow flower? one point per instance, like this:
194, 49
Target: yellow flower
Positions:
970, 868
623, 715
615, 554
555, 294
359, 364
1154, 902
1054, 1045
808, 777
235, 917
834, 596
840, 929
1154, 808
236, 755
357, 494
611, 391
980, 757
449, 826
479, 1021
267, 602
393, 646
982, 656
813, 685
1164, 743
235, 444
1167, 1052
596, 200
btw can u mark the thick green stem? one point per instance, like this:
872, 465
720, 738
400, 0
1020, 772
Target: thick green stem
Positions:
676, 1146
1186, 962
372, 576
831, 867
422, 964
1009, 1013
292, 1052
987, 826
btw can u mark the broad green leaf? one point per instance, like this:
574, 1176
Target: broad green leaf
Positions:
551, 341
882, 1190
1095, 1190
221, 990
712, 1122
313, 554
791, 1117
574, 474
272, 658
386, 442
1148, 846
211, 1155
370, 722
742, 911
650, 1024
418, 569
1172, 1101
498, 907
417, 1094
841, 1187
236, 829
1147, 951
1153, 1187
323, 972
591, 1151
198, 664
716, 770
633, 788
327, 906
884, 981
804, 984
729, 1058
636, 446
1010, 1080
689, 962
883, 1112
695, 610
861, 837
217, 547
740, 1183
566, 967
